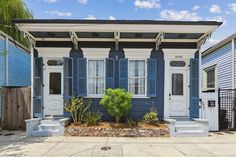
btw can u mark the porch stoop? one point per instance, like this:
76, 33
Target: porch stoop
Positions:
188, 127
49, 126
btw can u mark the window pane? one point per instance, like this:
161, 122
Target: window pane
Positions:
177, 84
137, 77
96, 77
55, 62
211, 78
55, 83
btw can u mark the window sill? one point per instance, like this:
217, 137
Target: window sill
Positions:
139, 96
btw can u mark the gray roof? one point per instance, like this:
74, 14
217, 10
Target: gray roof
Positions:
80, 21
218, 45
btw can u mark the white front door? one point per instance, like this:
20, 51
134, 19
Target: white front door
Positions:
53, 91
177, 93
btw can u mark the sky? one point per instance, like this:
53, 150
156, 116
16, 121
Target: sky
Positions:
181, 10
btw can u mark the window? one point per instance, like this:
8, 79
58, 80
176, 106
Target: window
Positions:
55, 62
55, 83
137, 77
210, 77
96, 77
177, 84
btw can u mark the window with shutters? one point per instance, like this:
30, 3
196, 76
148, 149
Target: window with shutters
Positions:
96, 77
137, 77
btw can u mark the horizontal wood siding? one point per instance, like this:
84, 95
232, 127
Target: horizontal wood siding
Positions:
234, 63
19, 66
221, 57
2, 61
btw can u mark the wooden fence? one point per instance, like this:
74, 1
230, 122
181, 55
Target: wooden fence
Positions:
16, 107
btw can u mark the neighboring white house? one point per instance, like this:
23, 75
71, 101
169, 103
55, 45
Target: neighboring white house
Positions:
219, 76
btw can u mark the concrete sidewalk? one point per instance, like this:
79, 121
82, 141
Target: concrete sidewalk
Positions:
215, 145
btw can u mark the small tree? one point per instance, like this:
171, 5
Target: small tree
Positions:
77, 108
117, 102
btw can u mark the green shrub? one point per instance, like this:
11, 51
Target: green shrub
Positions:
117, 102
151, 117
92, 118
77, 107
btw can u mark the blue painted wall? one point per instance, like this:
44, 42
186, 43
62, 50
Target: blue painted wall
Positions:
140, 106
19, 66
2, 61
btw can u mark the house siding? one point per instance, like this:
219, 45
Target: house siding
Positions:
19, 66
234, 63
2, 61
221, 57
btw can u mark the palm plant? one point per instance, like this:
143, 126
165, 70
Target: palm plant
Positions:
13, 9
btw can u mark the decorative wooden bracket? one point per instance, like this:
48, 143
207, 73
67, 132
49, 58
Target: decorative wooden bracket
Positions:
159, 38
203, 40
74, 39
116, 37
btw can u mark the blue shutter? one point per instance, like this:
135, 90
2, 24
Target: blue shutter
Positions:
123, 72
82, 75
68, 78
194, 88
151, 77
38, 88
110, 73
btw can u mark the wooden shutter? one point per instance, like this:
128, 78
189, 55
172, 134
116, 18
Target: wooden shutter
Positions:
194, 88
110, 73
68, 78
123, 74
151, 77
38, 87
82, 75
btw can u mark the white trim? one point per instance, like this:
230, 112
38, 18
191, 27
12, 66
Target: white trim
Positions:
32, 80
96, 53
116, 28
213, 66
137, 54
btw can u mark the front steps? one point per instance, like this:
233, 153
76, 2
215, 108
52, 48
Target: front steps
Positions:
188, 128
50, 126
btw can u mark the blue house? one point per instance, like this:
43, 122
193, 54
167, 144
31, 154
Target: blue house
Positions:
14, 64
157, 61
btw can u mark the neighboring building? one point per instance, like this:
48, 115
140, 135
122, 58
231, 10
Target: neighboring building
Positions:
14, 64
218, 65
157, 61
219, 81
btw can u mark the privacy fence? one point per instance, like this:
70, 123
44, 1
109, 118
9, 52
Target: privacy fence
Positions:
16, 107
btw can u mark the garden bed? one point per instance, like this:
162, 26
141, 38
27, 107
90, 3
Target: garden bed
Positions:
106, 129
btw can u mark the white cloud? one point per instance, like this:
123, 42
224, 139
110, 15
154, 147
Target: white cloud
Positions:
90, 17
233, 7
215, 9
196, 7
83, 1
179, 15
111, 18
147, 4
212, 41
50, 1
58, 13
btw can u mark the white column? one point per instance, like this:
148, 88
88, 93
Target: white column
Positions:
200, 82
32, 79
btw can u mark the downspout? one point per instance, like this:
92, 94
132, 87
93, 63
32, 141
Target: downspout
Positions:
200, 82
7, 63
233, 86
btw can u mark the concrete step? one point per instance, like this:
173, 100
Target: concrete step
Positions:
190, 133
46, 133
49, 121
48, 127
186, 127
185, 122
